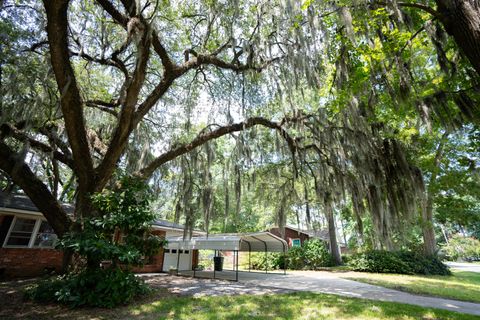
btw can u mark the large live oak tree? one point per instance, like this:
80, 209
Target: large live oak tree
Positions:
147, 50
130, 109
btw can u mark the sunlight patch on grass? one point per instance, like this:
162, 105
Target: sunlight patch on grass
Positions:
461, 285
303, 306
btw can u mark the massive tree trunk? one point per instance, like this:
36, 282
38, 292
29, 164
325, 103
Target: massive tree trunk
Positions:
461, 19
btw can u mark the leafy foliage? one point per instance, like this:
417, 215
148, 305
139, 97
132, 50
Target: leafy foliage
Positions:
99, 288
271, 261
121, 234
462, 248
365, 93
312, 255
403, 262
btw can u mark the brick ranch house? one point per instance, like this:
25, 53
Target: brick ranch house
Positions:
27, 241
296, 237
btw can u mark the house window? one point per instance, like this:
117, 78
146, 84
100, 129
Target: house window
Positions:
5, 223
46, 237
30, 233
296, 243
21, 232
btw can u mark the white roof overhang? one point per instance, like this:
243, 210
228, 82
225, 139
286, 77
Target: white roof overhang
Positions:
254, 242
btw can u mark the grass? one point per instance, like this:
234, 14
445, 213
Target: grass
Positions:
163, 305
286, 306
462, 285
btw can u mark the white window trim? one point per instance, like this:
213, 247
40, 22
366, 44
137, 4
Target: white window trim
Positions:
35, 233
33, 236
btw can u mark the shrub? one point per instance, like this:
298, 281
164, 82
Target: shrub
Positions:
44, 290
316, 254
421, 264
379, 261
273, 261
99, 288
120, 235
403, 262
295, 258
346, 258
462, 248
312, 255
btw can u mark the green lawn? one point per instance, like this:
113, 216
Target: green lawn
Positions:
161, 304
462, 285
286, 306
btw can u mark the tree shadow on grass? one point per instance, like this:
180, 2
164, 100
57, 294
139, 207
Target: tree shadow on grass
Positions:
286, 306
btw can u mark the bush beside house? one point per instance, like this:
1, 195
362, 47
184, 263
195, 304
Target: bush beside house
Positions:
311, 256
121, 235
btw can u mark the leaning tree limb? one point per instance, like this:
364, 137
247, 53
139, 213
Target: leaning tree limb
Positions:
9, 130
13, 164
70, 100
204, 137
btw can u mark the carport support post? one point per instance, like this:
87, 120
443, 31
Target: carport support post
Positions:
214, 255
236, 273
198, 258
266, 259
178, 258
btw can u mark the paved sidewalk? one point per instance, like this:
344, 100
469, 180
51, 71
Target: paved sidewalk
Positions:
327, 282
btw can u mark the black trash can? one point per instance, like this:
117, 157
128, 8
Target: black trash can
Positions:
218, 263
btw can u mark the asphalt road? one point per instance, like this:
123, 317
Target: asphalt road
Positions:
464, 266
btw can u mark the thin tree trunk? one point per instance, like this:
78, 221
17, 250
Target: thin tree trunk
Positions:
332, 232
444, 233
343, 231
429, 241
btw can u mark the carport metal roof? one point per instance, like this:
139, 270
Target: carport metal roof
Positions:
251, 242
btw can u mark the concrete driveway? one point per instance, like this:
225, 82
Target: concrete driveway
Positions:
313, 281
328, 282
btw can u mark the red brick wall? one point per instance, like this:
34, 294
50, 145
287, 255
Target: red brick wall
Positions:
27, 262
290, 234
30, 262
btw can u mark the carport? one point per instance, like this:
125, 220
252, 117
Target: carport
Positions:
235, 242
